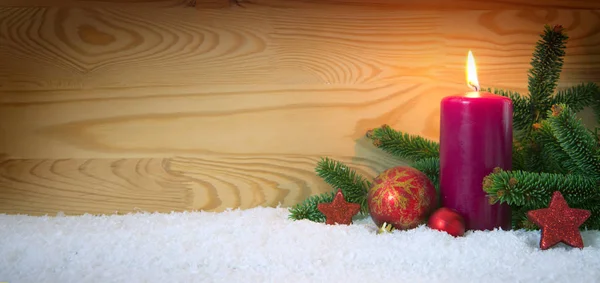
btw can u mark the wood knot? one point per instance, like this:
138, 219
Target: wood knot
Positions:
90, 34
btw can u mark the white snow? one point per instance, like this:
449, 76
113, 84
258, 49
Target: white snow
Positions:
262, 245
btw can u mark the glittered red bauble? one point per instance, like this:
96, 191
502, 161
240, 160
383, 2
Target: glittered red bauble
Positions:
447, 220
402, 196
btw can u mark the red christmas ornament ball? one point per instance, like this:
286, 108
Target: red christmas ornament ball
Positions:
401, 196
447, 220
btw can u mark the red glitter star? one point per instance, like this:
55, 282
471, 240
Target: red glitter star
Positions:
559, 223
339, 211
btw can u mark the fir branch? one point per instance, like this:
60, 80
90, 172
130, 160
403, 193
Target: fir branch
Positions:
403, 145
577, 97
553, 157
576, 140
523, 112
534, 190
518, 158
518, 155
552, 150
430, 167
592, 223
595, 105
308, 209
520, 220
338, 175
546, 66
531, 154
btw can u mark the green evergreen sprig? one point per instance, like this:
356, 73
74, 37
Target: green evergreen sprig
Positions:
525, 191
592, 223
547, 62
577, 97
431, 168
338, 175
523, 109
534, 190
554, 159
576, 140
571, 165
402, 145
595, 105
552, 149
308, 208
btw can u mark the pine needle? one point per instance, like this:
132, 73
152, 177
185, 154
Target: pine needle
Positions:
410, 147
338, 175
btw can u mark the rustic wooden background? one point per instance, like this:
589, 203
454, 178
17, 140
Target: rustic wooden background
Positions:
118, 106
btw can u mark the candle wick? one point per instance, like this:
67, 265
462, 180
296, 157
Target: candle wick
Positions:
474, 86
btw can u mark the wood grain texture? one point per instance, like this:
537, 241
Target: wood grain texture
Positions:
120, 186
503, 41
99, 48
293, 120
90, 186
319, 4
111, 3
431, 5
117, 108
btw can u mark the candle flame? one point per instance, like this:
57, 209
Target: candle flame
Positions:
472, 80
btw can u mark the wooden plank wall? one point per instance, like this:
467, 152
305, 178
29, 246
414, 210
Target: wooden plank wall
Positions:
118, 106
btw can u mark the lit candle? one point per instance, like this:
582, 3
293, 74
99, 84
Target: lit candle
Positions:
475, 137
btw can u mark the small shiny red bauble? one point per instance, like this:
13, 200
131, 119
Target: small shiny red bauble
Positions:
447, 220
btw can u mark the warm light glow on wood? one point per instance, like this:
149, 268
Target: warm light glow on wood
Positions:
227, 114
472, 80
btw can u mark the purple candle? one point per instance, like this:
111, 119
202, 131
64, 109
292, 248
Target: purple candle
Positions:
475, 137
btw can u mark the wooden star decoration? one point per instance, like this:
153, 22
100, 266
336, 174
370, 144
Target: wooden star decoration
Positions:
339, 211
559, 223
